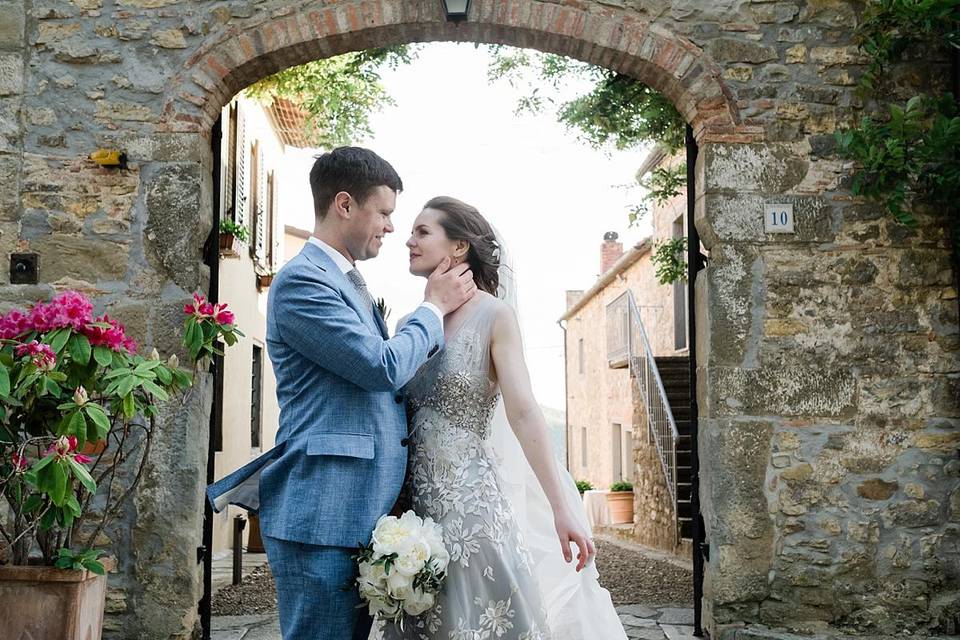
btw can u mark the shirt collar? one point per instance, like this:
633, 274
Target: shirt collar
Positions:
338, 258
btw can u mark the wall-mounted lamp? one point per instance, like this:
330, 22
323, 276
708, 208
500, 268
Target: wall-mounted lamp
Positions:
456, 10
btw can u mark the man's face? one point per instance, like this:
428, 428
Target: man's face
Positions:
370, 222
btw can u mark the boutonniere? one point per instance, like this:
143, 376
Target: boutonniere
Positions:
383, 309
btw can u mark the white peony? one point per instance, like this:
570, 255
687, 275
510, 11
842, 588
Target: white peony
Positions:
411, 561
418, 603
392, 535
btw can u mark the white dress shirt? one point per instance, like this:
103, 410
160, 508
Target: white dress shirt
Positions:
345, 265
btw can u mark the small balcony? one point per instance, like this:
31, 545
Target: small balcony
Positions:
618, 332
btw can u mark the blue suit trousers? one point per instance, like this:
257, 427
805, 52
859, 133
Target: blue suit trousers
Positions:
316, 591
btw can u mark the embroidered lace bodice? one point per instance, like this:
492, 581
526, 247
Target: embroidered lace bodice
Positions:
490, 591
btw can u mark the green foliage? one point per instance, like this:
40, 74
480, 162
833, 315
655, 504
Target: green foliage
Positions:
618, 110
78, 561
670, 259
907, 154
239, 231
339, 94
383, 308
621, 485
890, 28
584, 485
662, 184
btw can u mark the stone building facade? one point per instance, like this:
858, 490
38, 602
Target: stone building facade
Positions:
607, 432
828, 374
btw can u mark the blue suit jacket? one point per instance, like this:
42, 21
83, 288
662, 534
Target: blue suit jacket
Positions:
339, 463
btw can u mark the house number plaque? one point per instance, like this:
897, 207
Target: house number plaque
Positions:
778, 217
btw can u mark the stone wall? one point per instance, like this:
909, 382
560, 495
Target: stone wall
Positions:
828, 358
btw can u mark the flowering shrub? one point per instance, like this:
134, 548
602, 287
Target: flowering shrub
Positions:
78, 406
403, 567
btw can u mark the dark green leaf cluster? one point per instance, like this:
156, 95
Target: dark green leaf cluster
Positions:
669, 258
584, 485
908, 153
78, 561
618, 110
239, 231
339, 94
621, 485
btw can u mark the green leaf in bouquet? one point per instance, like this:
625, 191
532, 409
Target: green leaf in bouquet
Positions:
79, 347
80, 473
102, 355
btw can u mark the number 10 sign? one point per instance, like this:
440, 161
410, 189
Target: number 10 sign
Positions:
778, 218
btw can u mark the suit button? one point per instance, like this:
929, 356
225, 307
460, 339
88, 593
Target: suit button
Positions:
398, 399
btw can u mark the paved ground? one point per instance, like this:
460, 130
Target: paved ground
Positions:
631, 573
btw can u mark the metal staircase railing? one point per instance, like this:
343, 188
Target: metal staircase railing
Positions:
662, 428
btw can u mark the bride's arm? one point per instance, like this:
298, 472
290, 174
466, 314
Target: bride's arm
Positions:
527, 422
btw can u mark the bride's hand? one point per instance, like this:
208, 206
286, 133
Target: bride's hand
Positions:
569, 531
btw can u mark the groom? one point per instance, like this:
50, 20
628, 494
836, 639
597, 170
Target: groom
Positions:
340, 457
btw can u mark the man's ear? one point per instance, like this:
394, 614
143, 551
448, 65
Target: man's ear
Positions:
342, 203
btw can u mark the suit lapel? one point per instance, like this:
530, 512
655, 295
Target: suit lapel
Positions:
318, 257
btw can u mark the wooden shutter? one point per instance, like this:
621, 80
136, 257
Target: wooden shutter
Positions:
273, 242
260, 239
240, 210
230, 166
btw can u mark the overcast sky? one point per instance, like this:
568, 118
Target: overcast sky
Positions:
550, 196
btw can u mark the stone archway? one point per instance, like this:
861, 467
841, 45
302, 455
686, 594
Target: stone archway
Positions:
804, 354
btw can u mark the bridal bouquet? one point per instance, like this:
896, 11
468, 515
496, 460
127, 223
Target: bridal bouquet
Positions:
403, 567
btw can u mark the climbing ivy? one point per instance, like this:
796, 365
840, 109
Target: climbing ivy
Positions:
669, 258
907, 153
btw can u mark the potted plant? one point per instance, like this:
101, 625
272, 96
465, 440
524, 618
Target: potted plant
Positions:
68, 379
232, 235
264, 279
583, 485
620, 502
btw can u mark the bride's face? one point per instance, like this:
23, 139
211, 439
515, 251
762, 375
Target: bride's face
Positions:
429, 244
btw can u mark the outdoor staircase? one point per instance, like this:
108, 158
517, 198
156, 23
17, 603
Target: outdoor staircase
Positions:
675, 375
662, 384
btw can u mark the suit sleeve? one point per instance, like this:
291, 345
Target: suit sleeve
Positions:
313, 318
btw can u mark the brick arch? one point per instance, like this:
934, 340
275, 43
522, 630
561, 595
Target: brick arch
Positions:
229, 60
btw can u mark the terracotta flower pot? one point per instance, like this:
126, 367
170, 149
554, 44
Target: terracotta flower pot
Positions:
620, 504
93, 448
229, 245
49, 603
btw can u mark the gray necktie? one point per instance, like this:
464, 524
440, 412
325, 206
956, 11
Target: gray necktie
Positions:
361, 287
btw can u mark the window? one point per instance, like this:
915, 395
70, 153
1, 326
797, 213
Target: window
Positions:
580, 365
230, 165
271, 239
617, 453
256, 397
679, 298
583, 447
240, 174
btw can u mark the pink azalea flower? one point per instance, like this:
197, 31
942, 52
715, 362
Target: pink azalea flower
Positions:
20, 463
112, 337
64, 446
224, 317
82, 459
42, 354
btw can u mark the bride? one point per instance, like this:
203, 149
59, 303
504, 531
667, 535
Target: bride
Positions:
484, 469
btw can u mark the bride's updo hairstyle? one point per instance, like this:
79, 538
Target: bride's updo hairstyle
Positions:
460, 221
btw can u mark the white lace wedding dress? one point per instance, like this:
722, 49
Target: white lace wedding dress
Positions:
499, 586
